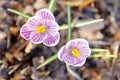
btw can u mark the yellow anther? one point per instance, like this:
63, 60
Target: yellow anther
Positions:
75, 52
40, 29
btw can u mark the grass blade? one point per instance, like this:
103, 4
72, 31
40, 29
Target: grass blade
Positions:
47, 61
52, 5
19, 13
69, 23
80, 24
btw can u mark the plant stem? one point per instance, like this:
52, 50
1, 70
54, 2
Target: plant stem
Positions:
98, 50
102, 55
19, 13
69, 23
72, 72
52, 58
52, 5
62, 27
80, 24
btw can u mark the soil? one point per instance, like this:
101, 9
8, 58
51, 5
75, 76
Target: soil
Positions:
19, 58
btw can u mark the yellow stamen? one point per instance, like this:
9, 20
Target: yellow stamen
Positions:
40, 29
75, 52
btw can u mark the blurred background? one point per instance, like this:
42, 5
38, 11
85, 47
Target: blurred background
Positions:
19, 58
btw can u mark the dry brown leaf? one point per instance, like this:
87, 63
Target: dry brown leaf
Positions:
3, 35
26, 71
13, 68
117, 35
28, 47
15, 4
9, 57
39, 4
16, 77
19, 56
91, 35
86, 3
78, 3
92, 31
29, 10
73, 3
14, 30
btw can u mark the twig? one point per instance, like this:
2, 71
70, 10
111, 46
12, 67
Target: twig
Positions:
74, 74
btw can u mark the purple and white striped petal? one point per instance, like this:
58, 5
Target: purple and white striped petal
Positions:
37, 38
80, 62
83, 47
68, 59
85, 51
60, 53
80, 44
52, 40
52, 27
45, 14
65, 54
25, 32
35, 22
75, 42
50, 36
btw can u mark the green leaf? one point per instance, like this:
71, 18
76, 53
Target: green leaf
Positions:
102, 55
98, 50
69, 23
19, 13
52, 5
74, 74
47, 61
52, 58
80, 24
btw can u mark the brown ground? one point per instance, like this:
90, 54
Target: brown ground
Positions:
18, 61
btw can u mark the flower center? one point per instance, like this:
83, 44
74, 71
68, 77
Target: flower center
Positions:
40, 29
75, 52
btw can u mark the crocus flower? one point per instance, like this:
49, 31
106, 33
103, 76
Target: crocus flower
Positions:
75, 52
41, 28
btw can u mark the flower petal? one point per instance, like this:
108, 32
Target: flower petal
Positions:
45, 14
85, 51
37, 38
35, 22
60, 53
68, 59
78, 43
80, 62
71, 60
83, 47
82, 42
25, 33
52, 40
52, 27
